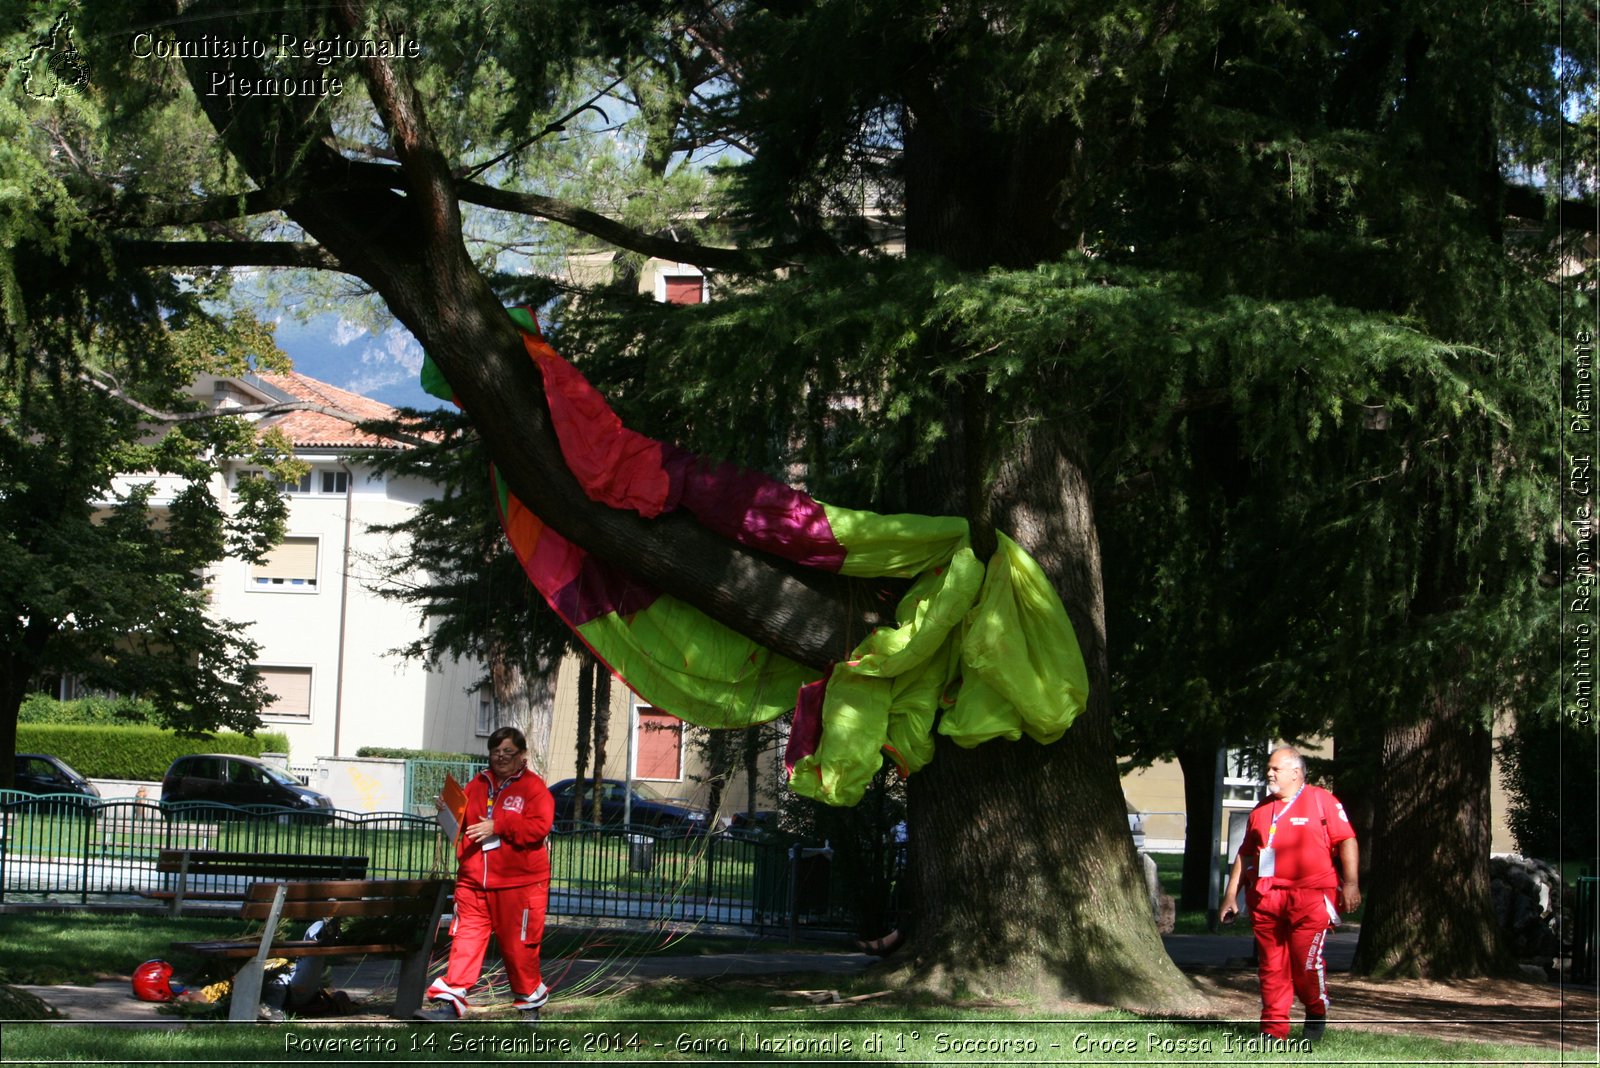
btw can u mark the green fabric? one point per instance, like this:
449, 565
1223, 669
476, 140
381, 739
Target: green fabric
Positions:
894, 545
1022, 669
991, 647
684, 662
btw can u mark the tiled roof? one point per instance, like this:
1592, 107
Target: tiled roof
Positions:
307, 429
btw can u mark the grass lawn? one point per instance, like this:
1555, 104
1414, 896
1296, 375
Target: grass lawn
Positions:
80, 948
740, 1022
793, 1018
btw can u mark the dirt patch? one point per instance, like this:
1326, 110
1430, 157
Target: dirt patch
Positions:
1481, 1010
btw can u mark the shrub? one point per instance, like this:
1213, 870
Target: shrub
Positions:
421, 754
41, 708
1548, 770
138, 753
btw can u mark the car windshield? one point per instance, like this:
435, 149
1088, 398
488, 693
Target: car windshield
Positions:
279, 776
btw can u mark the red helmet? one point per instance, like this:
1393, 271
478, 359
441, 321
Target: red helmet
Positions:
152, 981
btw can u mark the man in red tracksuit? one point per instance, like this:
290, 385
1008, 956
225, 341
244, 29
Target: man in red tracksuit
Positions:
502, 882
1291, 885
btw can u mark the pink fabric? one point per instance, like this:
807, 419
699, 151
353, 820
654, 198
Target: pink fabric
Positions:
762, 513
805, 732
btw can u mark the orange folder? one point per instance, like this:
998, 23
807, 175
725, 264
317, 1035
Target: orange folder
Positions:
452, 808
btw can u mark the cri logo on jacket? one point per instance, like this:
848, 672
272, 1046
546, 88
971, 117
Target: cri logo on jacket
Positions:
513, 804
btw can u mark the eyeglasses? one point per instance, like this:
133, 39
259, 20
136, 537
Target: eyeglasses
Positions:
504, 752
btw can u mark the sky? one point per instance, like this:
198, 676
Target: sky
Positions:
384, 366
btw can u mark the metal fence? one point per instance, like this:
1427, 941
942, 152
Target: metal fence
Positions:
75, 850
425, 779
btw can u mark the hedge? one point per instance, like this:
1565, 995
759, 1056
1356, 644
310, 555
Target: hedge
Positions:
421, 754
139, 753
107, 711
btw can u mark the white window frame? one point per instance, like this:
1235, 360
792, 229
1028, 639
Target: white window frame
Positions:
310, 484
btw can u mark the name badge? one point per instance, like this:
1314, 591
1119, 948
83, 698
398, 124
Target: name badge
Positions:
1267, 864
492, 842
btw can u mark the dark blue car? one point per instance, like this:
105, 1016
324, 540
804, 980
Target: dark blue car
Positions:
38, 773
646, 809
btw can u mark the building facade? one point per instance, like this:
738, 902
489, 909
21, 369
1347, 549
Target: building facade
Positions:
327, 638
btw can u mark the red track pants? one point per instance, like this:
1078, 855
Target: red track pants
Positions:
515, 916
1290, 928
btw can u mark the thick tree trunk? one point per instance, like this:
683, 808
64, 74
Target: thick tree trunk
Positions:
580, 774
1428, 911
11, 696
602, 730
526, 700
1199, 763
1027, 870
1025, 873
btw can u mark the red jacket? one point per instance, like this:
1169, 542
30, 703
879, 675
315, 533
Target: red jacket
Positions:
523, 812
1309, 830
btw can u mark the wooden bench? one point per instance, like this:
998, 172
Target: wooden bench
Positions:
191, 863
421, 901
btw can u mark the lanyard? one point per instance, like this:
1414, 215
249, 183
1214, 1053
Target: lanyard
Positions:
1272, 831
494, 791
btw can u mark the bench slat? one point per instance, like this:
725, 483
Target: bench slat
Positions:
297, 949
328, 908
381, 889
283, 865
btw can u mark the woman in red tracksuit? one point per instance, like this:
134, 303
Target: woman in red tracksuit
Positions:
502, 882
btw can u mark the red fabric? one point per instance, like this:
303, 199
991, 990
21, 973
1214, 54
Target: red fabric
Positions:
523, 813
1291, 926
805, 729
616, 466
1307, 833
515, 916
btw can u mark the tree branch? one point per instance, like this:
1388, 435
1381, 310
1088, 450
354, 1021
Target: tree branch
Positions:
225, 254
227, 207
1524, 203
418, 261
596, 225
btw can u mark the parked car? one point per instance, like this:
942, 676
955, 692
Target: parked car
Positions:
39, 773
760, 825
648, 809
240, 781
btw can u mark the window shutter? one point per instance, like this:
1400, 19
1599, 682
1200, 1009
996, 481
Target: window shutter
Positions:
293, 563
291, 687
659, 749
685, 289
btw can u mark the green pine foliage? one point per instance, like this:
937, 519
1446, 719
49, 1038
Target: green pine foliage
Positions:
104, 574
